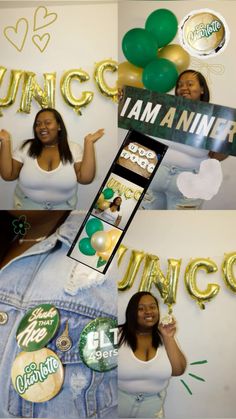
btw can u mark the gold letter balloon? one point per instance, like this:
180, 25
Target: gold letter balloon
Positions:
10, 97
228, 271
45, 97
99, 76
190, 277
167, 286
66, 80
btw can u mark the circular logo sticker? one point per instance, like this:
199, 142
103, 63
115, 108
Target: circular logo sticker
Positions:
37, 327
98, 344
203, 33
37, 376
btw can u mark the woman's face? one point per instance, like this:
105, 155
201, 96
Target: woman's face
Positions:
47, 128
189, 87
118, 201
148, 312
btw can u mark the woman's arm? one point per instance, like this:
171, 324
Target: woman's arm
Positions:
9, 168
118, 220
176, 357
85, 170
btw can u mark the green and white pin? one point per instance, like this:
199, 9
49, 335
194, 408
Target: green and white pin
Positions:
98, 344
37, 327
37, 376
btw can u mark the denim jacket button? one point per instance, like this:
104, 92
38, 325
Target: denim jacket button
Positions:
3, 318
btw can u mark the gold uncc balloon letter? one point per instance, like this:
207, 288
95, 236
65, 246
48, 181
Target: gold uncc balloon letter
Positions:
45, 97
100, 69
190, 277
86, 97
152, 274
10, 97
228, 272
132, 270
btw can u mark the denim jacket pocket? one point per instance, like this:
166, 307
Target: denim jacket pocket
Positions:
85, 393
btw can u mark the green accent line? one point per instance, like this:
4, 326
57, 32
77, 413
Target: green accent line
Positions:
196, 376
186, 386
199, 362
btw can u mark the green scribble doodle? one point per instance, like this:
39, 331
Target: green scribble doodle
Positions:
196, 377
186, 386
199, 362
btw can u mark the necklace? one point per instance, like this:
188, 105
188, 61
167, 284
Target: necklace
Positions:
144, 333
39, 239
50, 146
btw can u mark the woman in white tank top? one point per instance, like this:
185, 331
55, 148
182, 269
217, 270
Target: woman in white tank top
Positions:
163, 192
148, 357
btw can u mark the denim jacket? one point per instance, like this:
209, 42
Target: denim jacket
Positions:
44, 274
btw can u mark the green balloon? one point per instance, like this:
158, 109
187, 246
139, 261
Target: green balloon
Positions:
93, 225
163, 25
139, 47
160, 75
108, 193
85, 247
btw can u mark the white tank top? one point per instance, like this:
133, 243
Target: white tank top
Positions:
136, 376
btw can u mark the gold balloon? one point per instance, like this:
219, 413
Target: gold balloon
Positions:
121, 251
101, 241
65, 84
45, 97
129, 75
100, 200
105, 255
132, 269
100, 69
152, 275
114, 236
149, 274
228, 272
190, 277
172, 281
10, 97
104, 205
177, 55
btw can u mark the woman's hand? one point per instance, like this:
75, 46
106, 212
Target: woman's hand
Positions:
167, 330
95, 136
4, 135
217, 156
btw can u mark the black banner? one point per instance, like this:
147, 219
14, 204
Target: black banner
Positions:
195, 123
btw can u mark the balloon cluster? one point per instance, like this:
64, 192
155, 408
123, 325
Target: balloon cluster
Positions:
152, 63
98, 242
102, 202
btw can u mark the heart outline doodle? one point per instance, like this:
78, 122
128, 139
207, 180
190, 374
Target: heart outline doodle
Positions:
15, 29
34, 37
46, 15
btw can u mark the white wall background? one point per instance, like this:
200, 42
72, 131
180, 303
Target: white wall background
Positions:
203, 334
83, 34
219, 70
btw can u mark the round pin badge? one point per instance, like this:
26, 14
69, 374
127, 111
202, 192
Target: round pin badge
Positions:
37, 327
204, 33
37, 376
98, 344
